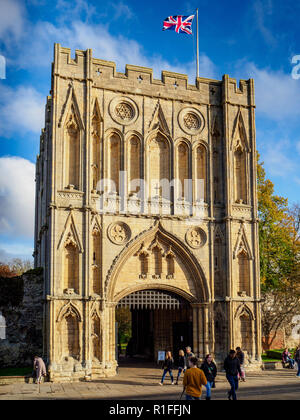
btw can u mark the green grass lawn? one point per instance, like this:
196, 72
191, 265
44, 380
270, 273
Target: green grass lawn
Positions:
16, 371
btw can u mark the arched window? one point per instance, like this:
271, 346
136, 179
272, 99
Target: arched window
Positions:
72, 151
2, 327
183, 170
134, 173
96, 337
240, 179
243, 273
246, 333
144, 264
157, 255
219, 269
114, 162
159, 166
70, 337
96, 262
201, 173
71, 267
96, 153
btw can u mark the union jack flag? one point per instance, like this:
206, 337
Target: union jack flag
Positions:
179, 24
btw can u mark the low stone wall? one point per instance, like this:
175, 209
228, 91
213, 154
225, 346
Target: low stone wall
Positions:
21, 304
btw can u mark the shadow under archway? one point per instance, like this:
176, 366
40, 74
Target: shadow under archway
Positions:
152, 321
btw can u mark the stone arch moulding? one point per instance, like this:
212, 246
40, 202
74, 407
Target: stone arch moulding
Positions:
69, 309
71, 99
242, 244
95, 310
244, 309
96, 225
158, 120
239, 131
70, 228
193, 266
96, 106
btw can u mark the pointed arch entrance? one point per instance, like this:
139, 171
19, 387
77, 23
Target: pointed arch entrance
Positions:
161, 264
153, 320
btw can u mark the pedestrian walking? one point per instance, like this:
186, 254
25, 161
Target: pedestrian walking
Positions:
188, 355
168, 366
241, 356
181, 365
210, 371
232, 368
193, 380
39, 368
297, 360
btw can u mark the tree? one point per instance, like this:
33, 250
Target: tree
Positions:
6, 271
20, 266
279, 236
276, 232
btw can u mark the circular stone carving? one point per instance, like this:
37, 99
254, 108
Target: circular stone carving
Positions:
191, 121
123, 110
195, 237
119, 233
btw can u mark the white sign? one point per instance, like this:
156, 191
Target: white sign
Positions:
161, 356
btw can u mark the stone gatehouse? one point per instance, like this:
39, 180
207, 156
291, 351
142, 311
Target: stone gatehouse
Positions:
145, 198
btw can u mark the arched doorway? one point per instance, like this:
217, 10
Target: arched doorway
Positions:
150, 321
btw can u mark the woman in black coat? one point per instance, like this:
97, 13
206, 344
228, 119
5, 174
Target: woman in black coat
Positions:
210, 370
181, 365
168, 367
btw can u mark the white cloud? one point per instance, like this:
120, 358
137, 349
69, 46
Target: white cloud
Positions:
15, 250
21, 110
263, 9
277, 93
122, 10
17, 197
11, 20
277, 155
80, 35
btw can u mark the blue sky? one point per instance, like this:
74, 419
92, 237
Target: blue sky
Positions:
253, 38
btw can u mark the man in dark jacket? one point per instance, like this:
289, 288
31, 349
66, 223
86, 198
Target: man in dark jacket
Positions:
232, 368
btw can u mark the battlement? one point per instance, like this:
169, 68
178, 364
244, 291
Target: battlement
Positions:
103, 74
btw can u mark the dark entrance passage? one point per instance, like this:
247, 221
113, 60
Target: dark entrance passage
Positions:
150, 321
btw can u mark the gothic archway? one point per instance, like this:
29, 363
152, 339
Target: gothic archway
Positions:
190, 279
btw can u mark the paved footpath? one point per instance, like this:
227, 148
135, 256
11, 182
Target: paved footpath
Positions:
141, 383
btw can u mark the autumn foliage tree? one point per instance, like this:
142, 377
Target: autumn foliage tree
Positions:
279, 242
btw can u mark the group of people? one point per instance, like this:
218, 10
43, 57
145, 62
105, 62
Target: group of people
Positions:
197, 374
288, 359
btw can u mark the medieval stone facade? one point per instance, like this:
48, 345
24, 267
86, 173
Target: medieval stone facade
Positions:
100, 242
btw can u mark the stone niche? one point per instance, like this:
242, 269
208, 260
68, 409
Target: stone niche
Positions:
21, 305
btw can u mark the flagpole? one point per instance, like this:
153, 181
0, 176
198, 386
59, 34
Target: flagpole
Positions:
197, 65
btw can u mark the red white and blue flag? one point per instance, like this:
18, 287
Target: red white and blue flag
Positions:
179, 24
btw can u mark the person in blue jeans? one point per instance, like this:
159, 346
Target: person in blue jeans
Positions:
168, 367
210, 371
232, 368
